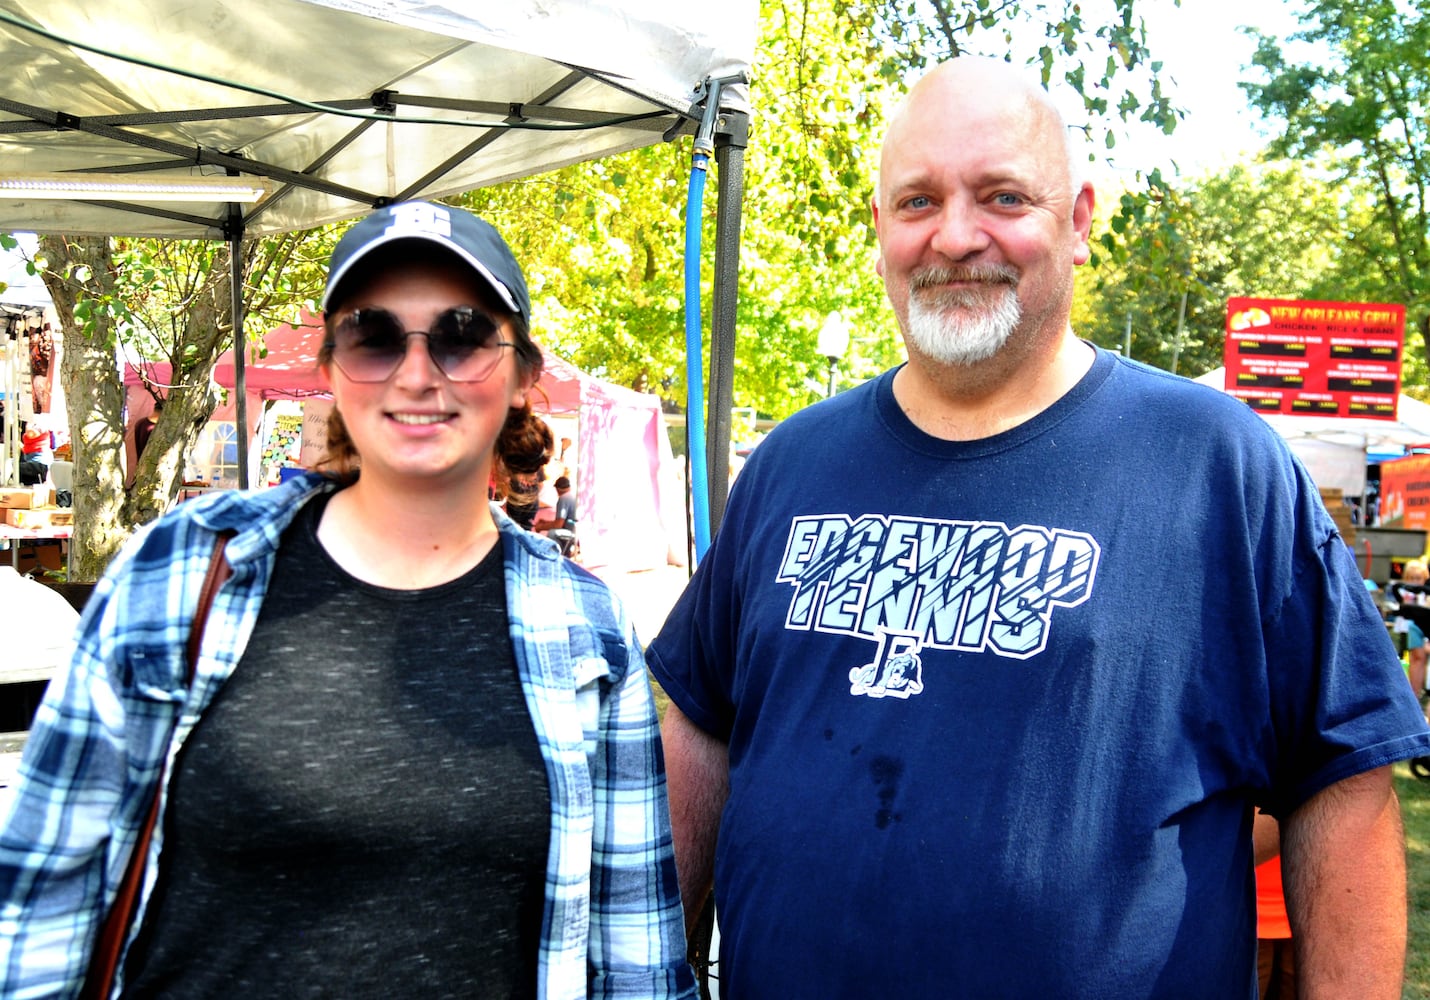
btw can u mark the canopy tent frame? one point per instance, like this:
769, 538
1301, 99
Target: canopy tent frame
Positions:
576, 91
732, 137
117, 129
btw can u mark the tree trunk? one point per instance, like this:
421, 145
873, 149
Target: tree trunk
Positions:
105, 514
95, 398
188, 402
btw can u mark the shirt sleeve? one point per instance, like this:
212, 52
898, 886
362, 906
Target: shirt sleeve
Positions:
694, 658
1339, 701
637, 941
71, 824
93, 761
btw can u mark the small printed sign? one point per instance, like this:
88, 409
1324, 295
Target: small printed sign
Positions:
1329, 359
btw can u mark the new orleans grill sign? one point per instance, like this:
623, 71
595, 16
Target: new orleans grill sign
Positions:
1329, 359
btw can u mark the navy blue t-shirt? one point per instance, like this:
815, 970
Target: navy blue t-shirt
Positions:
998, 710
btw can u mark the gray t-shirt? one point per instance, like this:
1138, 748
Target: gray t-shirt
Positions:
364, 810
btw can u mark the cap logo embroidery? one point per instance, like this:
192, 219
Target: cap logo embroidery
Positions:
419, 219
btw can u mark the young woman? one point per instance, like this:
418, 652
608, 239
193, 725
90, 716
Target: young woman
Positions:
419, 757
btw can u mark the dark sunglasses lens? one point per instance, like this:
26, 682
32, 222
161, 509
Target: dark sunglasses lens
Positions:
370, 344
465, 344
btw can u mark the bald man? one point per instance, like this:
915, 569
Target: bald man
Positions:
981, 706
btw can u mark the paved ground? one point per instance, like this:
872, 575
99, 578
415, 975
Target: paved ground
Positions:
648, 595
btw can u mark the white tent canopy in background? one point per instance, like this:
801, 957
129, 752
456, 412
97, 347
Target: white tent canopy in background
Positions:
1335, 450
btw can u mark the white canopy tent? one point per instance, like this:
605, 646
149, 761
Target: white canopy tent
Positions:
339, 105
342, 105
1336, 450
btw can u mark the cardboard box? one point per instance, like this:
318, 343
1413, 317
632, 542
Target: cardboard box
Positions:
1340, 512
40, 517
38, 554
16, 497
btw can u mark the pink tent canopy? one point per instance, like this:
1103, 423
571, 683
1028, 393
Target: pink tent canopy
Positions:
629, 502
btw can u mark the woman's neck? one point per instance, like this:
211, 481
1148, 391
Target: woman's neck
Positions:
409, 538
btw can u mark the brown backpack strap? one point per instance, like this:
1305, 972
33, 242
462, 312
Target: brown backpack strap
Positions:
104, 962
219, 571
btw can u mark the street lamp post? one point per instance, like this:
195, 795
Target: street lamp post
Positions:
833, 343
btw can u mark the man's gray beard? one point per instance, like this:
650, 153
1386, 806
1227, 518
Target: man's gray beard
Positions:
962, 327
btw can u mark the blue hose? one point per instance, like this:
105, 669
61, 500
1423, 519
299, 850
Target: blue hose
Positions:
694, 379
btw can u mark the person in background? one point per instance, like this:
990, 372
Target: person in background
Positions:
1275, 956
561, 526
1412, 617
36, 451
420, 754
928, 732
561, 462
145, 427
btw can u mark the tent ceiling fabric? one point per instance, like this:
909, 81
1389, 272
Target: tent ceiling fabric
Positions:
424, 89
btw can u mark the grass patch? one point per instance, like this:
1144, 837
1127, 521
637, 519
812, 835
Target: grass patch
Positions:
661, 698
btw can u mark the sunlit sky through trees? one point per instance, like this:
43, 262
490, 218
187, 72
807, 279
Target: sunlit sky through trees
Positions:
1204, 55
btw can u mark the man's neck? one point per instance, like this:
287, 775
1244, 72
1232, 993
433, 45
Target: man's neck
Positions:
966, 403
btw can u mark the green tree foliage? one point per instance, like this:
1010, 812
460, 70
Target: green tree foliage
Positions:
602, 243
1097, 48
1270, 230
1362, 118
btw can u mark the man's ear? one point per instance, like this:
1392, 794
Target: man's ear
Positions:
1083, 204
879, 262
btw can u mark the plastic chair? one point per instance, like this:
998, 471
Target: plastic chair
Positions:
62, 475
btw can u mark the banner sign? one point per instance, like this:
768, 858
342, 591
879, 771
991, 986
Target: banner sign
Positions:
315, 430
1405, 492
281, 450
1328, 359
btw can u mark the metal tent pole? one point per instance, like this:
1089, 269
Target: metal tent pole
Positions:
731, 138
234, 231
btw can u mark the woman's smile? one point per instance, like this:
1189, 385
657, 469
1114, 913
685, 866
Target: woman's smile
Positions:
420, 419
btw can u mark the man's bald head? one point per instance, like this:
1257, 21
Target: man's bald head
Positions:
972, 83
980, 223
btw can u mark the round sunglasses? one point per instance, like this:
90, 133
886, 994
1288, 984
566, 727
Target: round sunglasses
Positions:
368, 345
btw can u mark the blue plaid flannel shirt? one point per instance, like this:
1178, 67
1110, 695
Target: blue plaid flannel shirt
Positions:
613, 925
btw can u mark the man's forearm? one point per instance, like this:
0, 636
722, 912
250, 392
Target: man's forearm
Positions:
1343, 862
697, 768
